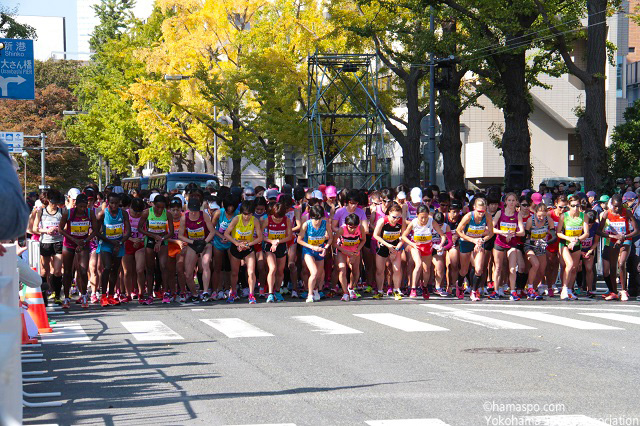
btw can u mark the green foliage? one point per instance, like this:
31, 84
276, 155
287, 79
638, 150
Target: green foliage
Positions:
114, 16
62, 73
10, 28
624, 152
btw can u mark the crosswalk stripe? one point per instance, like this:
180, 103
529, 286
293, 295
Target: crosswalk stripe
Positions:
573, 420
269, 424
144, 331
470, 317
400, 322
325, 326
235, 327
407, 422
510, 305
614, 317
555, 319
66, 333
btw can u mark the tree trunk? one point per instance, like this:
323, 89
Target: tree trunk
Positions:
516, 140
450, 144
411, 155
592, 124
236, 157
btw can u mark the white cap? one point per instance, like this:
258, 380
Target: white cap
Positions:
153, 196
317, 194
416, 195
73, 193
402, 195
118, 190
181, 198
37, 204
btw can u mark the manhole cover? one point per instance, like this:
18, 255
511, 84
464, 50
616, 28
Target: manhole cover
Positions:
501, 350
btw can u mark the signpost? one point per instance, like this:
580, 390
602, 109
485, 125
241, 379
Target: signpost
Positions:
14, 141
17, 80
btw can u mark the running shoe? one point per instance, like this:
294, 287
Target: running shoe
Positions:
304, 294
345, 297
473, 296
571, 296
271, 299
389, 291
442, 293
531, 295
284, 290
232, 297
368, 289
494, 296
104, 302
245, 292
57, 301
85, 302
279, 297
413, 294
322, 295
252, 299
564, 294
309, 299
221, 295
66, 304
294, 294
376, 296
166, 298
397, 295
551, 292
79, 300
157, 295
501, 293
591, 295
624, 296
316, 296
542, 288
352, 294
261, 292
490, 285
124, 299
459, 293
74, 290
214, 296
577, 291
112, 300
205, 297
148, 300
514, 296
425, 294
134, 295
142, 300
180, 298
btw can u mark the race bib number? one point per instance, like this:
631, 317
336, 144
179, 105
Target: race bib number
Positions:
587, 242
574, 231
80, 228
422, 239
196, 234
157, 226
277, 234
390, 235
243, 236
114, 231
618, 228
476, 230
538, 234
508, 226
350, 242
316, 241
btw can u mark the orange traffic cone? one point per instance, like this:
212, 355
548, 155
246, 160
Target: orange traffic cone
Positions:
26, 340
37, 310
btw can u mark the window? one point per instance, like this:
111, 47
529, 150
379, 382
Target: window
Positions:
619, 81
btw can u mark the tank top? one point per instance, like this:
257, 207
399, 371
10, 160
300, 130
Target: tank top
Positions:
616, 223
196, 229
422, 234
276, 231
539, 231
157, 224
572, 226
134, 222
453, 224
437, 239
113, 226
77, 225
390, 233
50, 221
350, 240
176, 229
316, 236
524, 222
474, 229
412, 211
507, 223
244, 232
221, 226
587, 243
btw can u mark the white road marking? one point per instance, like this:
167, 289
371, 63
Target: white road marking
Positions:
564, 321
407, 422
67, 332
400, 322
325, 326
197, 310
510, 305
235, 327
575, 420
614, 317
144, 331
269, 424
470, 317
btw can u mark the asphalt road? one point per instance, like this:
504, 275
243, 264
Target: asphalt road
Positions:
437, 362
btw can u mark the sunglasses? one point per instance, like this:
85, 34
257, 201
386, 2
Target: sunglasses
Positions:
395, 217
573, 206
524, 205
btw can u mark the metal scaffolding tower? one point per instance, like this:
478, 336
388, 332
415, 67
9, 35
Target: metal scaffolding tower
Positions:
345, 130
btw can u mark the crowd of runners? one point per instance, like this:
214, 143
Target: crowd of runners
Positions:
199, 246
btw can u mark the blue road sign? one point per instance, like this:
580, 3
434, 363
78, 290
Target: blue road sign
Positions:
17, 80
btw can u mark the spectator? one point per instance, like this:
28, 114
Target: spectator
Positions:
14, 215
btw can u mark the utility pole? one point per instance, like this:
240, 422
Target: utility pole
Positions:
100, 173
43, 166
